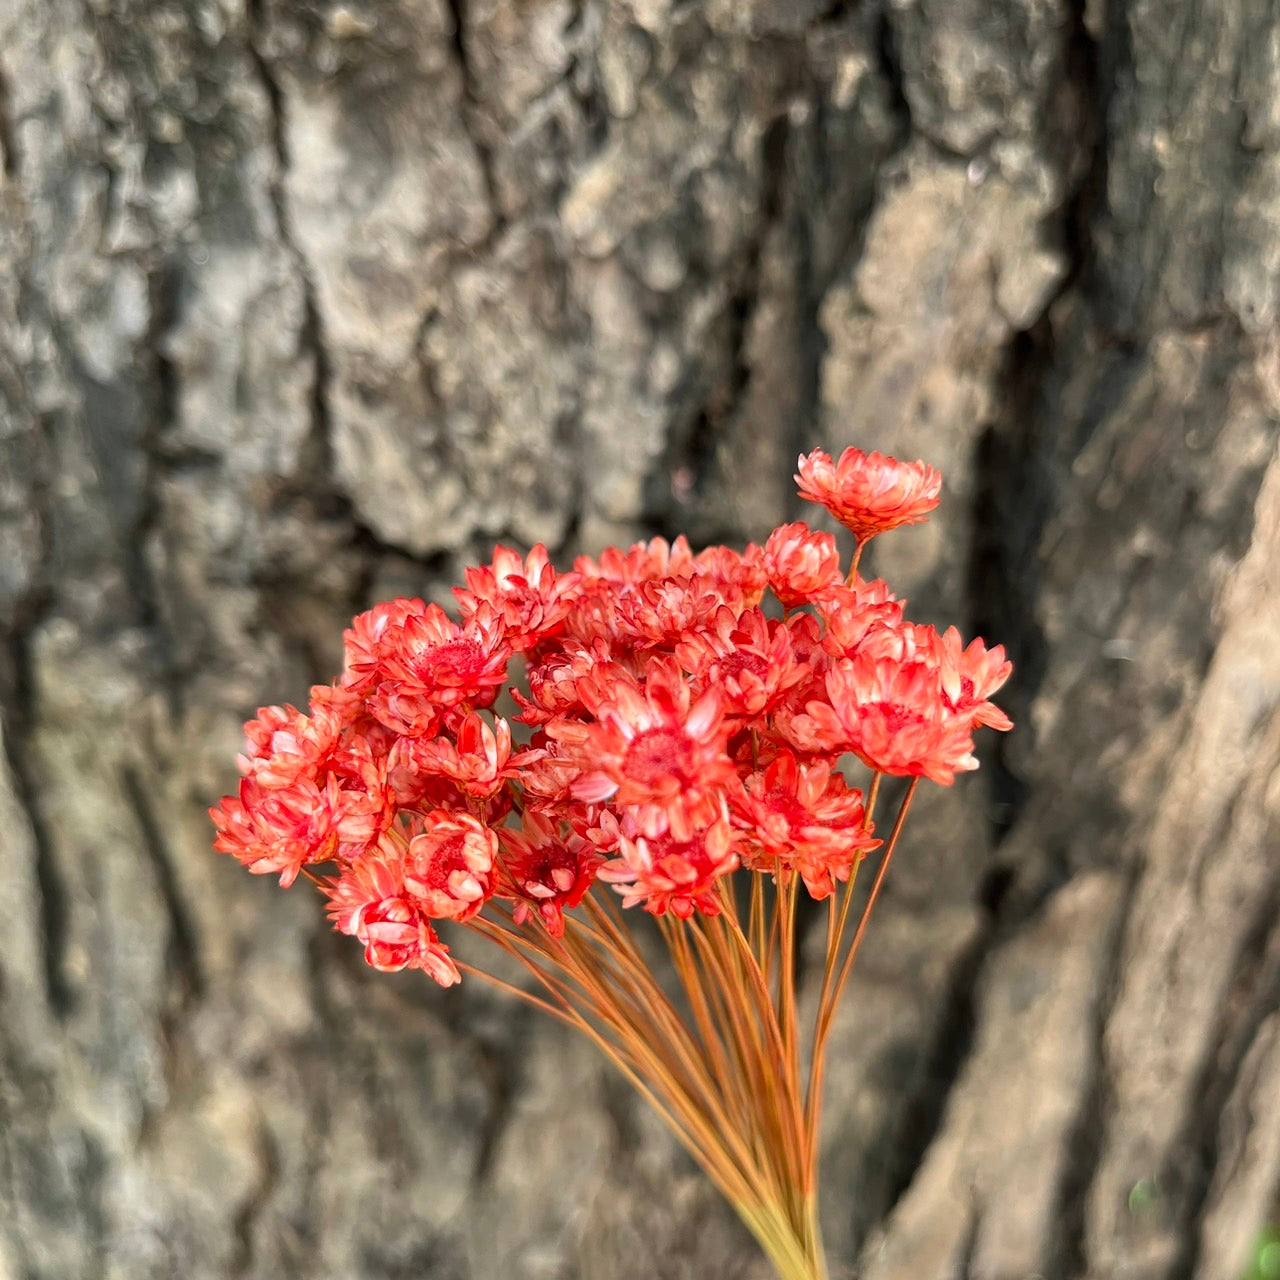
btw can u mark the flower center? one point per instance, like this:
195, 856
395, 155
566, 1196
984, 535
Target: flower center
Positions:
894, 715
434, 872
461, 656
786, 806
657, 754
734, 664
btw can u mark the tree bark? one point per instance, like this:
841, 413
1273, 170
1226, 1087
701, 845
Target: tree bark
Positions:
305, 304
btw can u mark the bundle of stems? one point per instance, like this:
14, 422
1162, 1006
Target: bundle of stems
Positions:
686, 720
729, 1068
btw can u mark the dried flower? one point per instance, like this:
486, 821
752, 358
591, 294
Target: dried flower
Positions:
428, 664
549, 870
449, 866
803, 818
678, 730
652, 747
869, 493
676, 873
370, 902
801, 564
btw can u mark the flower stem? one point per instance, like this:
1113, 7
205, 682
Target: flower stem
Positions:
853, 564
831, 990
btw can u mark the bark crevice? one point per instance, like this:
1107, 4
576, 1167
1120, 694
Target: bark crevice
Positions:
21, 718
1253, 998
969, 1247
267, 1158
498, 1072
183, 967
311, 338
470, 108
889, 59
162, 393
9, 158
1088, 1134
19, 704
948, 1049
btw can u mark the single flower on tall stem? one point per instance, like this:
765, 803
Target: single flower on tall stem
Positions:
869, 493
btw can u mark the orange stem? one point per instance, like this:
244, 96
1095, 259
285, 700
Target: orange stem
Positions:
831, 994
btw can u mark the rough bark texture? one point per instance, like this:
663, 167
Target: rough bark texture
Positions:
304, 304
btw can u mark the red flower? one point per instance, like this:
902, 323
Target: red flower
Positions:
368, 804
654, 615
733, 576
608, 584
970, 676
363, 637
553, 682
747, 658
529, 596
643, 562
283, 745
803, 818
549, 873
369, 902
307, 801
279, 831
869, 493
967, 677
449, 867
668, 873
479, 762
891, 715
800, 563
428, 664
547, 780
850, 613
652, 746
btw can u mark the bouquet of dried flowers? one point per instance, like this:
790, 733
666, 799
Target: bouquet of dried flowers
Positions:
675, 731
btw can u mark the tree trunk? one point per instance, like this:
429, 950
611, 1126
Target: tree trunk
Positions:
305, 304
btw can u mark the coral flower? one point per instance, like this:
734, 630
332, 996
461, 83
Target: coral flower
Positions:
665, 873
746, 657
479, 762
804, 818
363, 637
970, 676
733, 576
849, 613
643, 562
967, 677
891, 715
653, 746
800, 563
310, 793
369, 902
656, 614
529, 596
282, 745
429, 664
548, 872
280, 829
449, 866
869, 493
277, 831
553, 681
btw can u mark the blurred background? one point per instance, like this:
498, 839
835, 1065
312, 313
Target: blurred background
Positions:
306, 304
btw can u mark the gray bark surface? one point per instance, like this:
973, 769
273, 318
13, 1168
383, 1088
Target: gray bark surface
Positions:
305, 304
